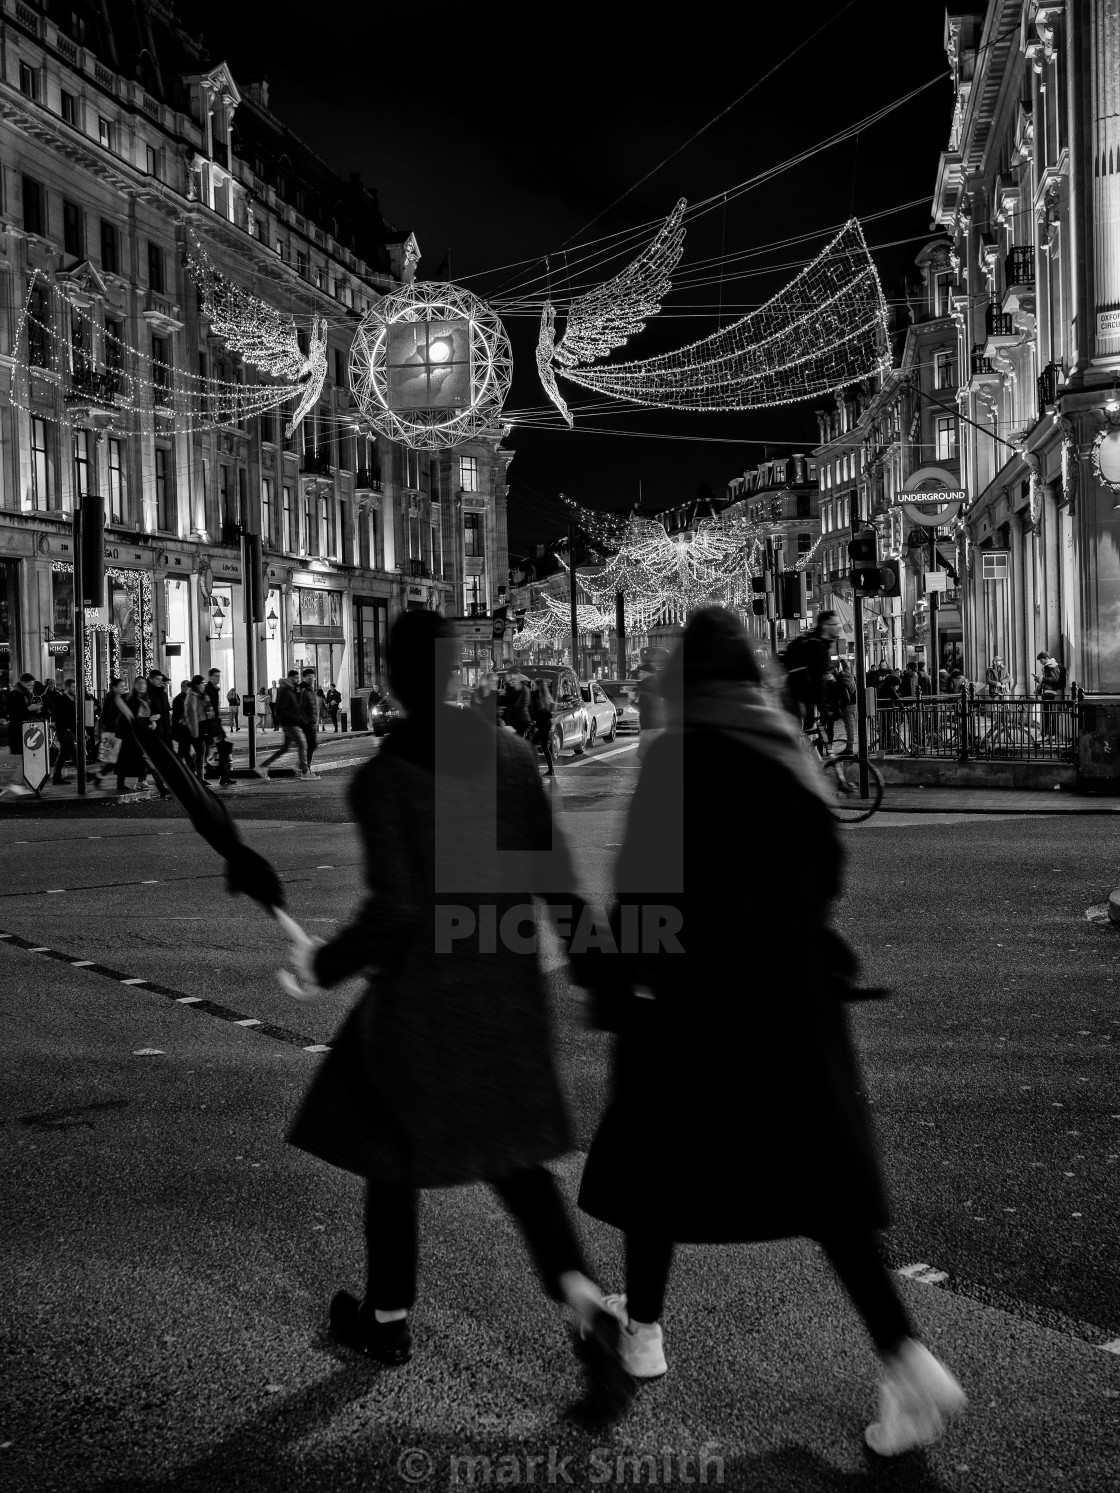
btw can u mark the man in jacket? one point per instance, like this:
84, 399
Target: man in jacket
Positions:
21, 705
334, 701
289, 719
309, 713
516, 705
63, 711
808, 660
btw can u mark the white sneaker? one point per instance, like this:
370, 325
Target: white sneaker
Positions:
642, 1348
916, 1395
262, 773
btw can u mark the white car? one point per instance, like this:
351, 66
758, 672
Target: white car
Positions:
623, 695
599, 709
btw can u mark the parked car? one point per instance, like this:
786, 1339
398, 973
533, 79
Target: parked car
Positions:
384, 715
598, 707
570, 729
623, 694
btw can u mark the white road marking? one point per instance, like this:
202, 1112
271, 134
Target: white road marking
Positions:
134, 982
53, 891
149, 883
80, 963
1112, 1347
926, 1274
187, 1000
324, 868
631, 746
148, 1052
42, 949
249, 1021
317, 1047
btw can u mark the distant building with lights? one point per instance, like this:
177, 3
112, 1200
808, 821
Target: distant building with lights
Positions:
1028, 189
780, 496
120, 138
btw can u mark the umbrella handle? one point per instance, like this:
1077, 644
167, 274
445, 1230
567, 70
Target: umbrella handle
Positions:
289, 925
291, 986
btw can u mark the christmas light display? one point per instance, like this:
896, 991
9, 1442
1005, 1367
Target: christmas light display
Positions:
264, 337
826, 328
430, 366
605, 317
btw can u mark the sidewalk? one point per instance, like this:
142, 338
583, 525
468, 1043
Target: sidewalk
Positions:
911, 800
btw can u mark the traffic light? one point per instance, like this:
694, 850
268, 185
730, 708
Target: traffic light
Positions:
863, 552
93, 550
500, 614
253, 587
890, 576
794, 594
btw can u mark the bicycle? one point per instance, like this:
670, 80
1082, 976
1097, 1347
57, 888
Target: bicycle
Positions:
845, 802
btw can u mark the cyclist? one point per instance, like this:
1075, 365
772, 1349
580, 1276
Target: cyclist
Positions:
808, 661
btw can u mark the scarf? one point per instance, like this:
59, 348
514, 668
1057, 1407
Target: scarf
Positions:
744, 712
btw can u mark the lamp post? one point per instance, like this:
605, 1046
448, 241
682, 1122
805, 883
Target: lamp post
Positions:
217, 619
272, 619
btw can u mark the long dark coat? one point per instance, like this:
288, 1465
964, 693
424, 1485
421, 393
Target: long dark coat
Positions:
735, 1113
443, 1072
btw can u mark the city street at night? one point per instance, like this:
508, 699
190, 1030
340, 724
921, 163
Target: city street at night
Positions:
170, 1257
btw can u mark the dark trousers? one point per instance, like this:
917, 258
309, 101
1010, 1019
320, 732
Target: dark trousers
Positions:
67, 751
392, 1235
312, 735
332, 711
543, 732
854, 1256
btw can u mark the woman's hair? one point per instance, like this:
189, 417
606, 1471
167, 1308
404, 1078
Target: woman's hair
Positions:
714, 646
114, 681
197, 680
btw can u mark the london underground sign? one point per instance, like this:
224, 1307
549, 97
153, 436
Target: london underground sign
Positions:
932, 497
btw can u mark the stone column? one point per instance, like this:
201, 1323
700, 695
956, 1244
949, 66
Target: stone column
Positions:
1017, 660
1030, 591
1104, 152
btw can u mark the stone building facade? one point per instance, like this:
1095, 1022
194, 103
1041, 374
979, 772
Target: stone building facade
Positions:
120, 143
1029, 191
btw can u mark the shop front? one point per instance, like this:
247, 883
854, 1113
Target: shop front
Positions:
9, 634
318, 633
120, 640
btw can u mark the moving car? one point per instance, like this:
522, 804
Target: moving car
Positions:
623, 694
384, 715
599, 708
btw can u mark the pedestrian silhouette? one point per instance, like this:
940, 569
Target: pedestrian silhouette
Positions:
735, 1114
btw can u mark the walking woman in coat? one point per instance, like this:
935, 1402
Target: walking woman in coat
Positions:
541, 710
757, 1131
443, 1074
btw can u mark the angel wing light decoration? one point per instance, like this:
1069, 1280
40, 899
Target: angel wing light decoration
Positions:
603, 319
266, 338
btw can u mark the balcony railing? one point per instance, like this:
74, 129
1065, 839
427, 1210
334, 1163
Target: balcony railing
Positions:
162, 393
1018, 267
999, 325
316, 463
981, 364
972, 726
1047, 387
419, 569
368, 479
94, 386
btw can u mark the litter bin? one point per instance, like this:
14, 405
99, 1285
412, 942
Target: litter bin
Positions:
342, 719
1098, 745
358, 713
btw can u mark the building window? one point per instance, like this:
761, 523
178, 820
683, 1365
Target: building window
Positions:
38, 330
155, 268
116, 481
370, 627
343, 530
468, 473
161, 372
165, 491
286, 535
67, 105
104, 132
338, 371
34, 206
301, 263
942, 292
266, 509
110, 247
152, 160
414, 550
305, 528
324, 528
472, 596
114, 350
29, 82
472, 534
412, 470
81, 464
946, 438
41, 474
945, 367
72, 229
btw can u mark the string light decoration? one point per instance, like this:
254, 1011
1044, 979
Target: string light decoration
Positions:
430, 366
826, 328
138, 585
57, 342
264, 337
603, 319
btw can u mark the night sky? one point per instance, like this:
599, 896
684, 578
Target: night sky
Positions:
497, 141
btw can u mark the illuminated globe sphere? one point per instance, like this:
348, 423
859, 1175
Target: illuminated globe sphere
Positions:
430, 366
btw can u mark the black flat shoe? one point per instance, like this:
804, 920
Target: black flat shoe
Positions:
389, 1343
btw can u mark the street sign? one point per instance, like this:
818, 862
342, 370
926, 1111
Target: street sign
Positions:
472, 629
935, 581
36, 759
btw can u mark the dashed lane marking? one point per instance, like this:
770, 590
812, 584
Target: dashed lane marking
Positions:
1113, 1347
631, 746
196, 1002
924, 1273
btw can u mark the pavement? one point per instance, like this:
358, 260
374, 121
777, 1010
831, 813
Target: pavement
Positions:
169, 1258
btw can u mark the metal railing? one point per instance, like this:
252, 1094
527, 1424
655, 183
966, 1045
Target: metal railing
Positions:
369, 479
1018, 267
981, 364
1047, 387
317, 463
998, 324
978, 727
93, 386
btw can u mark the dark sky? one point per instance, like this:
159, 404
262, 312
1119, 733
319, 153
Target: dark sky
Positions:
498, 138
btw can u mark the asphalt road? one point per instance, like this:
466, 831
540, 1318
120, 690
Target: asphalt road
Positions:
169, 1258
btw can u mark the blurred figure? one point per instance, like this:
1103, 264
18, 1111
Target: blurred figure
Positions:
735, 1114
22, 706
195, 706
309, 700
808, 659
64, 716
290, 719
516, 705
110, 740
443, 1074
540, 708
997, 677
233, 700
334, 701
264, 711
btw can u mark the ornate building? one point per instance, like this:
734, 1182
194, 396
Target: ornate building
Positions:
1029, 190
122, 144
